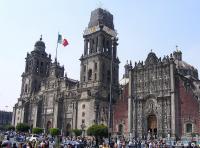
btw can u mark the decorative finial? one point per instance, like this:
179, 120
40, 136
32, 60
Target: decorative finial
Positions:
151, 50
41, 37
177, 48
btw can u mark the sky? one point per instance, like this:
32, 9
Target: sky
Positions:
142, 25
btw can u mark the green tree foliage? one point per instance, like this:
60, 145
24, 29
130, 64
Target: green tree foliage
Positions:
54, 131
194, 134
77, 132
22, 127
37, 130
98, 130
9, 127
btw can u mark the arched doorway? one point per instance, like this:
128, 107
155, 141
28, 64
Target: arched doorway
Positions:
120, 129
48, 125
152, 126
68, 129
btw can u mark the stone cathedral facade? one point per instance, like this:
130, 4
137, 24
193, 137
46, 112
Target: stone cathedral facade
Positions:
50, 99
156, 97
163, 97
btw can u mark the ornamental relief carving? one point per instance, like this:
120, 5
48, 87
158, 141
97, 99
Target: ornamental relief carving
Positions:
151, 107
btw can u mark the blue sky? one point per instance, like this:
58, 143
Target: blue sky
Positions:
142, 25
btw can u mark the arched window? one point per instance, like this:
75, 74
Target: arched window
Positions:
104, 46
83, 114
37, 66
26, 88
83, 106
84, 68
107, 46
188, 128
83, 78
95, 66
41, 67
89, 74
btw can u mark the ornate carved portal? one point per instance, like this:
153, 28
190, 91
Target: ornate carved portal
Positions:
152, 126
68, 129
48, 125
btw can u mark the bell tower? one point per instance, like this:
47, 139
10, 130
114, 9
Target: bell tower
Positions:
99, 67
36, 68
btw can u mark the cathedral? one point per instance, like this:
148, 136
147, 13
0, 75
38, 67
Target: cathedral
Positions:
157, 97
160, 98
163, 97
49, 99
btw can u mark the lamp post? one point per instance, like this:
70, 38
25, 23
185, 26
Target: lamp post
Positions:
82, 128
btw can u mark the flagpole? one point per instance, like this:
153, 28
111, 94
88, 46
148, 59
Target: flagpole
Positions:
56, 49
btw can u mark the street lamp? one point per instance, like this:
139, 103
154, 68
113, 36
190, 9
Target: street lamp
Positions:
82, 128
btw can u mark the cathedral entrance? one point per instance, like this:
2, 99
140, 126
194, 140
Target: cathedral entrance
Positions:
48, 126
152, 126
68, 129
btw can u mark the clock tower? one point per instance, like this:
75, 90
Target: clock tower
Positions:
99, 69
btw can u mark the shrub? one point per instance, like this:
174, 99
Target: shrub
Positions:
98, 130
54, 131
37, 130
77, 132
22, 127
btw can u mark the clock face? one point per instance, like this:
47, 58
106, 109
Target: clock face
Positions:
97, 28
91, 30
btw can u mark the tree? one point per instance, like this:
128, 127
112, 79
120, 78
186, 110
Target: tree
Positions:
98, 130
77, 132
37, 130
54, 131
9, 127
22, 127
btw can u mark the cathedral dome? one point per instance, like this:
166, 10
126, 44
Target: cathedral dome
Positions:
186, 69
40, 45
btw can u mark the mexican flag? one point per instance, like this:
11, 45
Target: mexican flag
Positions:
62, 40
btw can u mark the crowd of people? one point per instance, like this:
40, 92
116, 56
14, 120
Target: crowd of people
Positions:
22, 140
